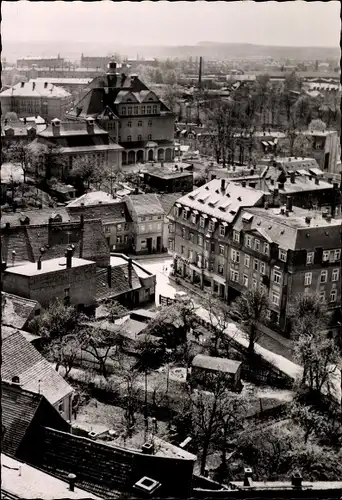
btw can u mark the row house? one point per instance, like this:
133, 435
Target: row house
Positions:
199, 227
286, 253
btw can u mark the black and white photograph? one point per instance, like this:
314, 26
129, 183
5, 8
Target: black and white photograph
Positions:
171, 237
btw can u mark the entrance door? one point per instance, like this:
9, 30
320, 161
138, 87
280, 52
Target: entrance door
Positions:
158, 243
150, 155
149, 245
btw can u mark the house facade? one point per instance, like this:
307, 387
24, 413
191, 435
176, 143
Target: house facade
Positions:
325, 148
199, 226
36, 98
286, 252
133, 115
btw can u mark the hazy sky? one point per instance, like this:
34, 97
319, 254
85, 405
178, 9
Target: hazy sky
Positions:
164, 23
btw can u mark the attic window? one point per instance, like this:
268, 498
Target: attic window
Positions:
233, 212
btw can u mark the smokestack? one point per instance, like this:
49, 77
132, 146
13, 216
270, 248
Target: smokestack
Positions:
223, 184
71, 479
200, 73
130, 267
109, 276
288, 203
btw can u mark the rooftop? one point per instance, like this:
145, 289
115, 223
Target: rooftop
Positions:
35, 217
62, 81
92, 198
168, 170
36, 374
39, 89
222, 204
48, 266
216, 364
72, 128
145, 204
15, 310
21, 480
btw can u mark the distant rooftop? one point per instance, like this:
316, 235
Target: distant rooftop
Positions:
92, 198
20, 480
48, 266
216, 364
62, 81
31, 89
296, 218
168, 170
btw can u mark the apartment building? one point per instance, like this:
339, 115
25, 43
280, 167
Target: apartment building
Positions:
199, 227
133, 115
50, 62
286, 252
36, 98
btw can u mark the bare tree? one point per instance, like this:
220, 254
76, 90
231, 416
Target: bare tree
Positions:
219, 319
19, 152
65, 352
86, 171
250, 309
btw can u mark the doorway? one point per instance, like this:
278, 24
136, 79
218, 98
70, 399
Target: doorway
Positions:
158, 243
149, 245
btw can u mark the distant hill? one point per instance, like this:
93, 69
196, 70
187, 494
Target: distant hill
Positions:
210, 50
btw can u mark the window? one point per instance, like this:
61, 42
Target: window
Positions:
142, 228
277, 277
247, 260
139, 123
191, 255
236, 236
266, 248
193, 218
129, 124
126, 238
245, 280
171, 245
182, 249
139, 138
337, 254
171, 228
149, 137
67, 296
222, 230
142, 110
221, 247
220, 269
326, 254
333, 296
154, 109
183, 233
255, 284
282, 255
107, 229
136, 110
119, 239
212, 246
191, 237
158, 226
129, 138
206, 245
322, 296
199, 260
129, 110
211, 226
307, 279
200, 240
61, 407
257, 245
256, 265
248, 241
324, 276
142, 219
335, 274
175, 212
150, 123
119, 138
309, 258
234, 275
235, 255
123, 110
262, 267
37, 312
202, 222
275, 298
143, 244
185, 214
148, 110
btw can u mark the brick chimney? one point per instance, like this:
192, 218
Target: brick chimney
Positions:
71, 480
130, 267
288, 204
68, 254
223, 184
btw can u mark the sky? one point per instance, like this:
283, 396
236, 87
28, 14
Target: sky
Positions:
293, 23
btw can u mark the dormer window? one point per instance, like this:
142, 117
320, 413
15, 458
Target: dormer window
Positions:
222, 230
185, 216
236, 236
211, 226
248, 241
202, 222
282, 255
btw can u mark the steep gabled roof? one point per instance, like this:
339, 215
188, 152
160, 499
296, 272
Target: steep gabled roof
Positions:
16, 310
36, 374
119, 282
146, 204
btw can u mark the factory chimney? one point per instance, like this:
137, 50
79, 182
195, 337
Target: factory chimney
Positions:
200, 73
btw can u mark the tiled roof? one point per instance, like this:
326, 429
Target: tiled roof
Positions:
216, 364
36, 374
28, 240
108, 213
73, 128
302, 183
18, 408
293, 233
108, 470
21, 129
36, 217
15, 311
221, 204
119, 282
92, 198
62, 81
37, 90
168, 200
146, 204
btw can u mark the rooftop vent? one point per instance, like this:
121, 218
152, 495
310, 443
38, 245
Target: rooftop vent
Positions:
147, 485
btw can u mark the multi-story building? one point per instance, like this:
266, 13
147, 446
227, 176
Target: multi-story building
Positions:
50, 62
199, 228
72, 85
115, 218
286, 252
325, 148
169, 178
78, 140
96, 62
133, 115
36, 98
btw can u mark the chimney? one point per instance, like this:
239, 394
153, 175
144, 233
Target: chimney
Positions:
266, 205
82, 221
308, 220
68, 254
130, 267
292, 177
317, 181
56, 125
33, 85
247, 480
90, 125
200, 73
223, 184
45, 85
281, 185
310, 177
272, 182
22, 85
71, 479
243, 184
16, 380
252, 171
8, 225
109, 276
296, 480
335, 186
39, 264
288, 204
